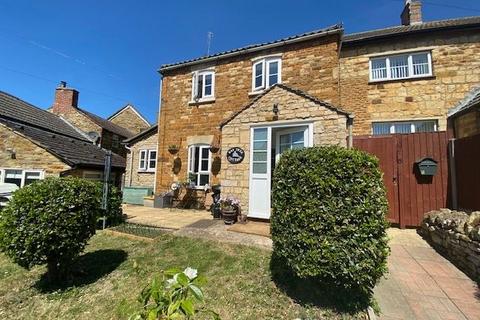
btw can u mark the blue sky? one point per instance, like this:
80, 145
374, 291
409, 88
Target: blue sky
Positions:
110, 50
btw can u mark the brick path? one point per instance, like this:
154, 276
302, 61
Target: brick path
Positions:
424, 285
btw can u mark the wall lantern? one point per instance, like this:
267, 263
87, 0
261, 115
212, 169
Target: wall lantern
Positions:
427, 166
13, 153
275, 108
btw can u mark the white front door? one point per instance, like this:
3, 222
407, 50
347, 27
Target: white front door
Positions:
260, 168
288, 137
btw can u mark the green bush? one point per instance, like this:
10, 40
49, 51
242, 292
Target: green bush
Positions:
50, 221
328, 222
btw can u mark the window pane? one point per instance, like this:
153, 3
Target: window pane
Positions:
200, 86
272, 73
153, 160
204, 179
208, 85
204, 165
259, 156
379, 69
205, 153
260, 134
425, 126
260, 145
285, 138
31, 177
399, 67
381, 128
258, 75
196, 159
297, 137
13, 176
259, 167
405, 127
420, 64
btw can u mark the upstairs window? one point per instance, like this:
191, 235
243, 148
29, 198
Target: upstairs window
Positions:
203, 85
199, 164
265, 73
405, 66
147, 160
380, 128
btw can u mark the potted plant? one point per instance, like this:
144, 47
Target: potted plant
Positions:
173, 148
192, 178
229, 208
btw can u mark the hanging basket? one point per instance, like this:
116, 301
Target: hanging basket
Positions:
173, 149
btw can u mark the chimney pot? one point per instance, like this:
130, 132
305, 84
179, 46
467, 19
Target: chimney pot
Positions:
412, 12
63, 84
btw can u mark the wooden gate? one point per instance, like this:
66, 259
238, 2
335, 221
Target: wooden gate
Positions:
467, 158
409, 194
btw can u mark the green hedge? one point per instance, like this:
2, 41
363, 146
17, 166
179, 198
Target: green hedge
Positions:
328, 221
50, 221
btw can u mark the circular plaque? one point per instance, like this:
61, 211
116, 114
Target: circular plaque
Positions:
235, 155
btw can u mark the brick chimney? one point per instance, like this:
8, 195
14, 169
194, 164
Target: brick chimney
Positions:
66, 99
412, 13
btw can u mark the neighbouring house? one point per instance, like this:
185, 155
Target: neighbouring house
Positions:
140, 165
130, 118
233, 113
404, 79
35, 144
103, 132
464, 118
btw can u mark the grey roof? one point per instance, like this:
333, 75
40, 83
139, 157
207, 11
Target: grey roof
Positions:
292, 90
107, 125
72, 151
141, 135
18, 110
472, 99
256, 47
414, 28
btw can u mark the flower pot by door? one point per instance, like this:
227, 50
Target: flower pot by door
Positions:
229, 216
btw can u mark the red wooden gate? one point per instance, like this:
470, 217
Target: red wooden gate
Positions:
467, 161
409, 194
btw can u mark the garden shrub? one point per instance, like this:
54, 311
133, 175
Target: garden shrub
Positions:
50, 221
328, 221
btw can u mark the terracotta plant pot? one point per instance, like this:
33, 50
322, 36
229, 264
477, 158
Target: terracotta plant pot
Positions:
229, 216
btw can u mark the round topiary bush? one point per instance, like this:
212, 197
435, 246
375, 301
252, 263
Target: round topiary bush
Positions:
328, 221
50, 221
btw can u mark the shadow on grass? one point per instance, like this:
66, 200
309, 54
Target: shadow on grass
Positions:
315, 292
86, 269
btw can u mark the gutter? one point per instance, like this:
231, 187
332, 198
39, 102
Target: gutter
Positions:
250, 50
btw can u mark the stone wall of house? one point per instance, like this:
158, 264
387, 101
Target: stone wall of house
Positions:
467, 124
133, 176
28, 155
457, 236
311, 66
329, 128
128, 119
456, 70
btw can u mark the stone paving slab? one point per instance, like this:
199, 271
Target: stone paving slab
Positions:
422, 284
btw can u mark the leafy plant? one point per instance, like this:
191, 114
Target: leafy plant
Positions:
114, 212
173, 297
229, 203
328, 221
50, 221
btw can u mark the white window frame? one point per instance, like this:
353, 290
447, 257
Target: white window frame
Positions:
24, 174
146, 167
409, 56
195, 76
265, 62
412, 124
191, 162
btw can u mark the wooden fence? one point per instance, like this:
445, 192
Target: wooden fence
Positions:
466, 152
410, 195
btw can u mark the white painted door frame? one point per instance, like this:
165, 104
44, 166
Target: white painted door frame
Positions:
260, 185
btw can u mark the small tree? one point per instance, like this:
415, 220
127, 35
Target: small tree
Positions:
50, 222
328, 220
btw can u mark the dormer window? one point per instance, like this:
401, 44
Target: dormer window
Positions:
203, 85
265, 73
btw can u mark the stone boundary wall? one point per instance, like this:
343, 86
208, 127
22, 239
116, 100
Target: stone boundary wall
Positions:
457, 235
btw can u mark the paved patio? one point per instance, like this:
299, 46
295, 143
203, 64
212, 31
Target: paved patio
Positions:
424, 285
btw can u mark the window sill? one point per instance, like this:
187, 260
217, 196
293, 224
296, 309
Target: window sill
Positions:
201, 101
430, 77
255, 93
146, 171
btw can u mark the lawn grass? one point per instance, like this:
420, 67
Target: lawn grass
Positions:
107, 282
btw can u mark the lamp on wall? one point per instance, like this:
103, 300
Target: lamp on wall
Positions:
275, 108
13, 154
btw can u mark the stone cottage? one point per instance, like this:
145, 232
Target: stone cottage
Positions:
35, 144
234, 112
